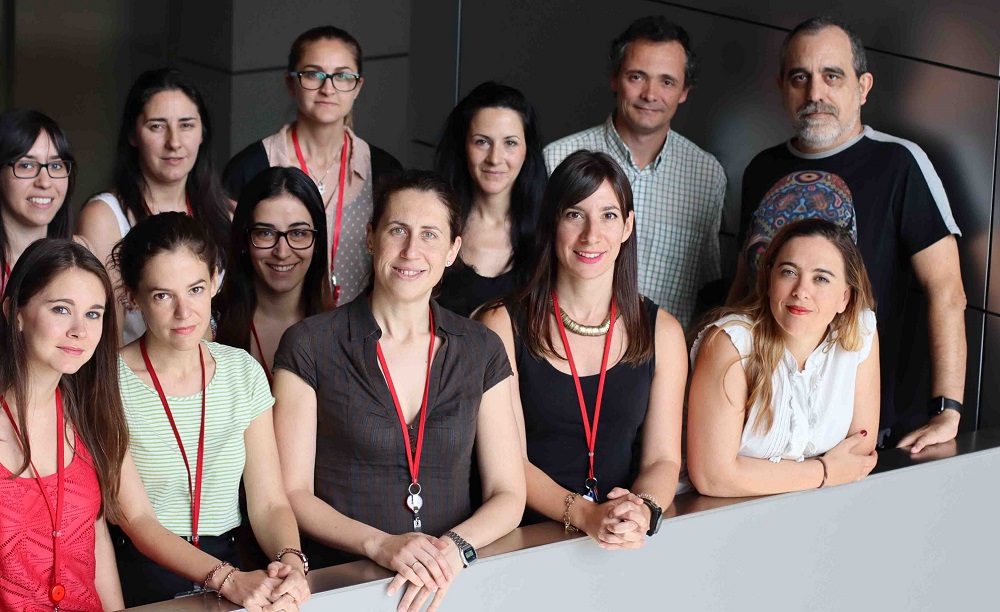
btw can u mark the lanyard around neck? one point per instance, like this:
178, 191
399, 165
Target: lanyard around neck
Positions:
194, 489
412, 458
56, 591
589, 430
260, 351
340, 204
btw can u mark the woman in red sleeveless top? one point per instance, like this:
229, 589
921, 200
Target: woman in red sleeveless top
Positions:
62, 432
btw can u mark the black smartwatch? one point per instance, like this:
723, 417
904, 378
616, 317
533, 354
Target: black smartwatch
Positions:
655, 516
467, 551
940, 403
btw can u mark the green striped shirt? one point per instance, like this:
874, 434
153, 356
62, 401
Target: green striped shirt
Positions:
237, 394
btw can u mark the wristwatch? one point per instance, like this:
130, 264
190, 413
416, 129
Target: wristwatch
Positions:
468, 552
655, 516
940, 403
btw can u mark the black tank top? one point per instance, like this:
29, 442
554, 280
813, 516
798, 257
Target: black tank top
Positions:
554, 428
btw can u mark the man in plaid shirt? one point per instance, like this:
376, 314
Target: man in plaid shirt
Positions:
678, 188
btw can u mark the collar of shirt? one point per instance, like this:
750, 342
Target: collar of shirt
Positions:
363, 325
615, 142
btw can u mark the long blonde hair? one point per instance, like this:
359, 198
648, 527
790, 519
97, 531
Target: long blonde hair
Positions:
768, 347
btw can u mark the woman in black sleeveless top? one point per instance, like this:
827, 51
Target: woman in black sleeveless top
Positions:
611, 474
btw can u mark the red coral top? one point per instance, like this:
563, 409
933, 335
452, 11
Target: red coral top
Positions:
26, 538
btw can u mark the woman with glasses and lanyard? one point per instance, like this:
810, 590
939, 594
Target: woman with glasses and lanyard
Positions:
277, 276
36, 179
163, 162
324, 78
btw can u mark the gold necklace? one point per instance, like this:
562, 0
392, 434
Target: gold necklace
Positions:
580, 329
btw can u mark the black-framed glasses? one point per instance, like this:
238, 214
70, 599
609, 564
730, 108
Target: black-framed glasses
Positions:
314, 79
29, 169
297, 238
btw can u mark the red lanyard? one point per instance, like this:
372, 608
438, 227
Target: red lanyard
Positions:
57, 591
6, 277
187, 200
589, 431
414, 501
340, 204
263, 360
196, 489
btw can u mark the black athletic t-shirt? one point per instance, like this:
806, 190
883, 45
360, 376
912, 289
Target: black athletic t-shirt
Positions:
900, 208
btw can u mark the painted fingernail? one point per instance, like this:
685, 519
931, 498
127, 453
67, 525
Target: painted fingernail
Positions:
864, 432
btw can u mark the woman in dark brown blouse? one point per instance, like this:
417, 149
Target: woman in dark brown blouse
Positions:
379, 403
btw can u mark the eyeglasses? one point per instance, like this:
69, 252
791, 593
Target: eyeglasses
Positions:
314, 79
267, 238
27, 169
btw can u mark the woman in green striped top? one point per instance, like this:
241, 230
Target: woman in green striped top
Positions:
199, 416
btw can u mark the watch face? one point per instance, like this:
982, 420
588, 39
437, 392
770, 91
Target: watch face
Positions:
469, 554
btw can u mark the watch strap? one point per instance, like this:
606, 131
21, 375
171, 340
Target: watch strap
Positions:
655, 515
466, 551
940, 403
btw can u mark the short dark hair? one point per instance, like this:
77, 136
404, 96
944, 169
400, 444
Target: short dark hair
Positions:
452, 163
163, 233
815, 25
657, 29
327, 32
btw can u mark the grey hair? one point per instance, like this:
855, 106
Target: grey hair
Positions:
814, 26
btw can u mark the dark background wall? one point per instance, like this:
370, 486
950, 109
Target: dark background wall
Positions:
936, 67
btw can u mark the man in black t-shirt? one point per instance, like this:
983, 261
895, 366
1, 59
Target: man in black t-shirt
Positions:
888, 187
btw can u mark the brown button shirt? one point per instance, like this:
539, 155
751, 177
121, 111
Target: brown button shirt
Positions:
361, 467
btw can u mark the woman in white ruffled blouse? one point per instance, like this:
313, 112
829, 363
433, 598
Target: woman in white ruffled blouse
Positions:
785, 399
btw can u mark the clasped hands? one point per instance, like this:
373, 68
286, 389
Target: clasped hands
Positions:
425, 565
620, 522
279, 588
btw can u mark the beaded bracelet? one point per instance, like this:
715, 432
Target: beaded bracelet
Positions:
823, 463
567, 526
224, 581
212, 574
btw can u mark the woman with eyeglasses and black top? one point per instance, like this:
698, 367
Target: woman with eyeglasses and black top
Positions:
163, 162
277, 276
36, 180
324, 78
601, 370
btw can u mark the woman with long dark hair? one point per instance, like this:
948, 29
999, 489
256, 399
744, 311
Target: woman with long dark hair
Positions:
63, 435
786, 384
163, 162
391, 392
276, 276
37, 176
491, 155
584, 339
199, 416
324, 79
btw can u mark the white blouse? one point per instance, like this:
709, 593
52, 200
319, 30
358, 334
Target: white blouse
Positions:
813, 408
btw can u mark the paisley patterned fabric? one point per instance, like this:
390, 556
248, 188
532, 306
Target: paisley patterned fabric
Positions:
808, 194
